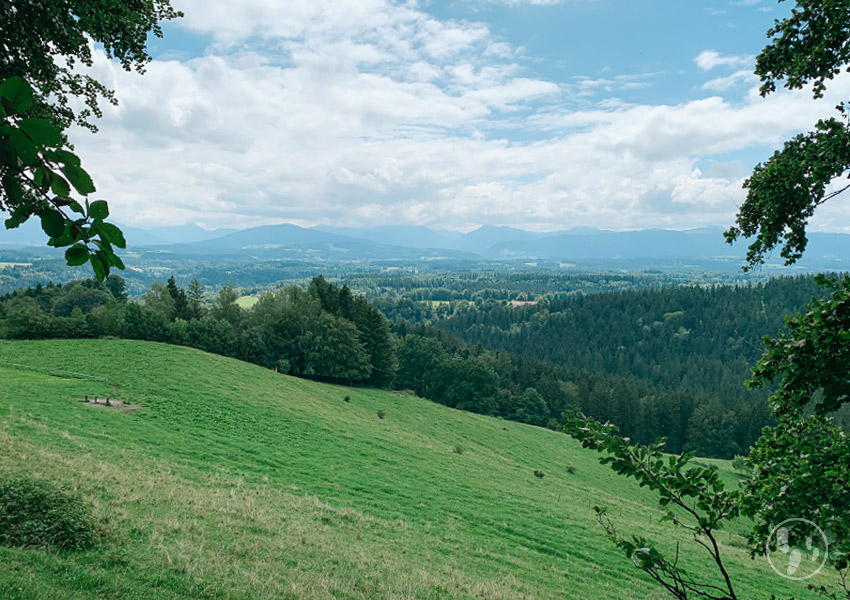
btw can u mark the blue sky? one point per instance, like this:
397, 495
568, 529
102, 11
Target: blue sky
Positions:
541, 114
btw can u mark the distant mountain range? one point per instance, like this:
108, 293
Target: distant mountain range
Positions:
422, 243
30, 234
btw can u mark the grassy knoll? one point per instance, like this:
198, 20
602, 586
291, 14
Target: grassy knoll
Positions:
246, 301
220, 479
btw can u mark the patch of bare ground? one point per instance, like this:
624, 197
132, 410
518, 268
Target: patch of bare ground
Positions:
110, 403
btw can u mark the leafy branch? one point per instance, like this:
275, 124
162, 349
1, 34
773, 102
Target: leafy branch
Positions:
811, 357
38, 176
784, 192
702, 500
812, 45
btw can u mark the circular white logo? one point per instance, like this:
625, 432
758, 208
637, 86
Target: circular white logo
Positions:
801, 549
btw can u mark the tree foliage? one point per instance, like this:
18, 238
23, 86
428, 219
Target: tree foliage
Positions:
812, 355
43, 46
40, 177
802, 471
810, 46
45, 43
801, 466
693, 497
666, 362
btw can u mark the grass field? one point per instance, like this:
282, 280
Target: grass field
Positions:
246, 301
231, 481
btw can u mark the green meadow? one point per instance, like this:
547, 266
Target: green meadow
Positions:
247, 301
213, 478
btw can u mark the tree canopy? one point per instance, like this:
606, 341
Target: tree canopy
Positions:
43, 46
46, 42
811, 46
802, 465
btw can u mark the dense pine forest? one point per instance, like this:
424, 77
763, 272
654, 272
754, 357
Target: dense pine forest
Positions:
658, 362
702, 339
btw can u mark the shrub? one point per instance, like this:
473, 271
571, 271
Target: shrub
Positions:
36, 512
538, 474
347, 399
459, 449
381, 414
739, 464
571, 469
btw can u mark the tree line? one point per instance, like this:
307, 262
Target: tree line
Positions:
323, 332
596, 354
326, 332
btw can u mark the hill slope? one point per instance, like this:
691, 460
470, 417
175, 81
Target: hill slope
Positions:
232, 481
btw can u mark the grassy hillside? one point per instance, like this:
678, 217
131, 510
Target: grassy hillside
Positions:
230, 481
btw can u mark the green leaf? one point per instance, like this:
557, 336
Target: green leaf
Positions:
99, 265
66, 239
79, 179
41, 132
15, 95
63, 156
13, 189
98, 209
112, 234
115, 260
8, 155
39, 175
76, 207
77, 255
60, 186
25, 149
19, 216
53, 223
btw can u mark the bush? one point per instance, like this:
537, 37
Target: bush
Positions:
347, 399
538, 474
36, 512
381, 414
739, 464
459, 449
571, 469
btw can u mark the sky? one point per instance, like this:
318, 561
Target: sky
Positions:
539, 114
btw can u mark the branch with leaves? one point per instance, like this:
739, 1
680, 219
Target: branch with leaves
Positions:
784, 192
40, 176
801, 466
801, 470
50, 45
812, 45
811, 356
694, 497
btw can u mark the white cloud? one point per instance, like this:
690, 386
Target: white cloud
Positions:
530, 2
711, 59
721, 84
585, 86
383, 114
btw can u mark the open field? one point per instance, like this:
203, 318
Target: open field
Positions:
220, 479
246, 301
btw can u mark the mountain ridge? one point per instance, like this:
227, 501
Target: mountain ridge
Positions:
488, 242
